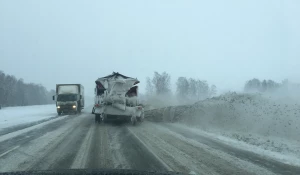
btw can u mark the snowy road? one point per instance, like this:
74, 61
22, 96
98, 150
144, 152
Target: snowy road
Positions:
75, 141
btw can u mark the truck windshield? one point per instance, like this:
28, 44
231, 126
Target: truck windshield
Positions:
70, 97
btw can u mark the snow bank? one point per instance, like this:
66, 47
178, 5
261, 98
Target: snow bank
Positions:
287, 152
12, 116
245, 113
257, 120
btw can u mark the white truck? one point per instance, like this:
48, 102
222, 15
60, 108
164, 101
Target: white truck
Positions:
116, 99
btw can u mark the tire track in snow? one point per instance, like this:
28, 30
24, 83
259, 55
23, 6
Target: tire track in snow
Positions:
99, 155
28, 129
78, 142
272, 165
114, 146
83, 153
62, 152
3, 154
15, 128
186, 155
22, 137
39, 144
162, 162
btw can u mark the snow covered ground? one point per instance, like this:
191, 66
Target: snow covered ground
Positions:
76, 141
261, 124
282, 150
14, 116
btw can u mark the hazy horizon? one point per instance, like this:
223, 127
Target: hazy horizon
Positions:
223, 42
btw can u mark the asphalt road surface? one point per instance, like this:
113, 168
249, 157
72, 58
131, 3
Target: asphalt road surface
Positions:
76, 141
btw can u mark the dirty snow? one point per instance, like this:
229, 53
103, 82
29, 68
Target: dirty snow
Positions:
247, 114
182, 153
12, 116
250, 121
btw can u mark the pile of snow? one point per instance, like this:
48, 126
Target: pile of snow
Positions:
166, 114
246, 113
286, 151
12, 116
257, 120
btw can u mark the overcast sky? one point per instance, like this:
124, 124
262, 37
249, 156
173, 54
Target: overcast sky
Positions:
223, 41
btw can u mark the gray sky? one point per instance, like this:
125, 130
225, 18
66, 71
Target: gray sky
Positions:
224, 42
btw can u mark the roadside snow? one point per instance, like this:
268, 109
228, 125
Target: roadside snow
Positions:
289, 151
264, 124
22, 131
12, 116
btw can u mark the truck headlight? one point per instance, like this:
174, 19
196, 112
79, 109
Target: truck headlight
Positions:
58, 107
74, 106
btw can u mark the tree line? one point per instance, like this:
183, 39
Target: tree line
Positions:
187, 89
14, 92
255, 85
190, 89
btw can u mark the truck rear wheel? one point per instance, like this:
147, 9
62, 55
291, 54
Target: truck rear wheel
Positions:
104, 118
97, 118
139, 119
133, 120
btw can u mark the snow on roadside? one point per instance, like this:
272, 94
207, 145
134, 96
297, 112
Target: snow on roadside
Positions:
288, 152
12, 116
25, 130
246, 113
251, 121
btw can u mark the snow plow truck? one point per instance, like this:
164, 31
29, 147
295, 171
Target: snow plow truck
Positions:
116, 98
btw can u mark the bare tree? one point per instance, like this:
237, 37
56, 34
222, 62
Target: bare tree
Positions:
264, 86
202, 90
213, 90
149, 87
161, 83
182, 88
253, 85
192, 89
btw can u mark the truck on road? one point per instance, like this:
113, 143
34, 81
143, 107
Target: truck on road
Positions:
69, 98
116, 99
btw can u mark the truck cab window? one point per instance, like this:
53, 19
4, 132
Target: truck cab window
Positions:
67, 98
